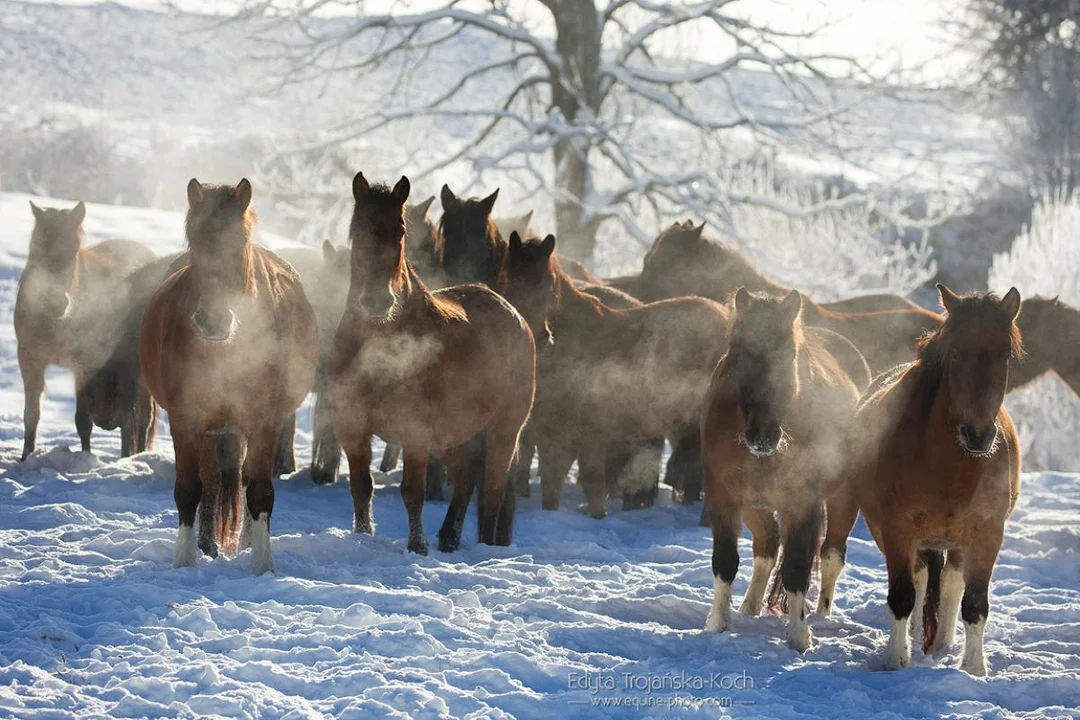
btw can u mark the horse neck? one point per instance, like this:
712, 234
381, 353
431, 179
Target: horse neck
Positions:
574, 308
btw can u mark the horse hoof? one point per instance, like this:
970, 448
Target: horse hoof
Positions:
418, 546
210, 549
364, 527
322, 476
716, 622
749, 608
261, 566
824, 607
975, 668
896, 660
798, 638
598, 515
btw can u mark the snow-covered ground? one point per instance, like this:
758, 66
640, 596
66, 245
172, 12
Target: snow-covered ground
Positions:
577, 615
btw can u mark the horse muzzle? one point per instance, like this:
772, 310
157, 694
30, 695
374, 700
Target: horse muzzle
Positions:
214, 327
980, 442
763, 442
377, 306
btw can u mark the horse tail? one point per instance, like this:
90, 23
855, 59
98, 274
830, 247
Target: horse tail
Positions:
775, 598
935, 561
229, 453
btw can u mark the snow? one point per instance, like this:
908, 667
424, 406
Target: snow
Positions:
95, 621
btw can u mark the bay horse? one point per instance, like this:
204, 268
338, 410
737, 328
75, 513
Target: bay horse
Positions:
1051, 332
774, 425
939, 471
605, 376
118, 395
473, 248
428, 370
68, 312
228, 347
682, 261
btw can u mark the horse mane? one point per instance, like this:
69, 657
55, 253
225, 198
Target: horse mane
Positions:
930, 348
713, 252
444, 309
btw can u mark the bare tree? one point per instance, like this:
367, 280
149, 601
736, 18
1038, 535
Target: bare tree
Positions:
566, 97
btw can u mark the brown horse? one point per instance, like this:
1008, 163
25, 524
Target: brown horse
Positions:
68, 310
430, 371
939, 470
473, 248
682, 261
605, 376
118, 396
228, 348
773, 432
1051, 332
424, 241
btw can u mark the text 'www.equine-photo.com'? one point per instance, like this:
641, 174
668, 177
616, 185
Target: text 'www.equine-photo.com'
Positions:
522, 359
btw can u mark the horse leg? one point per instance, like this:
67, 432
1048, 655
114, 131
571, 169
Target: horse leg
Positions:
83, 423
259, 467
640, 480
726, 523
841, 511
360, 483
436, 476
413, 480
285, 455
500, 499
978, 565
800, 540
187, 492
554, 462
209, 473
33, 377
521, 470
766, 534
145, 419
591, 478
899, 562
684, 465
325, 448
952, 589
391, 455
127, 434
456, 460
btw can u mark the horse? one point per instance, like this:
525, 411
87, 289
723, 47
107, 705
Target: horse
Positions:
473, 248
521, 224
424, 241
682, 261
118, 396
773, 429
228, 347
428, 370
68, 311
1051, 332
325, 277
938, 471
603, 375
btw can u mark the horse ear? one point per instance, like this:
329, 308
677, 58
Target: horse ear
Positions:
548, 246
360, 186
792, 304
526, 219
488, 203
1011, 302
515, 242
742, 299
78, 213
697, 231
38, 212
328, 252
194, 192
949, 299
448, 197
401, 190
243, 193
423, 207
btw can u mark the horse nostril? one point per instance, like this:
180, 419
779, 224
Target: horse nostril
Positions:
975, 440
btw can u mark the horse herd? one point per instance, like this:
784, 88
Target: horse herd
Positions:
773, 404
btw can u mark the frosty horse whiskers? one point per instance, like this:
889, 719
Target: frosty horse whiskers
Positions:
773, 429
939, 470
69, 311
427, 370
228, 348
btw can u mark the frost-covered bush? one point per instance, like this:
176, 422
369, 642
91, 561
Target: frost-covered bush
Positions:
1045, 259
832, 247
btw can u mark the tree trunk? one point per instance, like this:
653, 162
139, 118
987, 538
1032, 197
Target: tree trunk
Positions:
575, 92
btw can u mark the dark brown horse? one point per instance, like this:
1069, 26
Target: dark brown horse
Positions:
939, 470
430, 371
424, 241
773, 432
473, 249
68, 312
1051, 332
606, 376
228, 348
118, 396
682, 261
